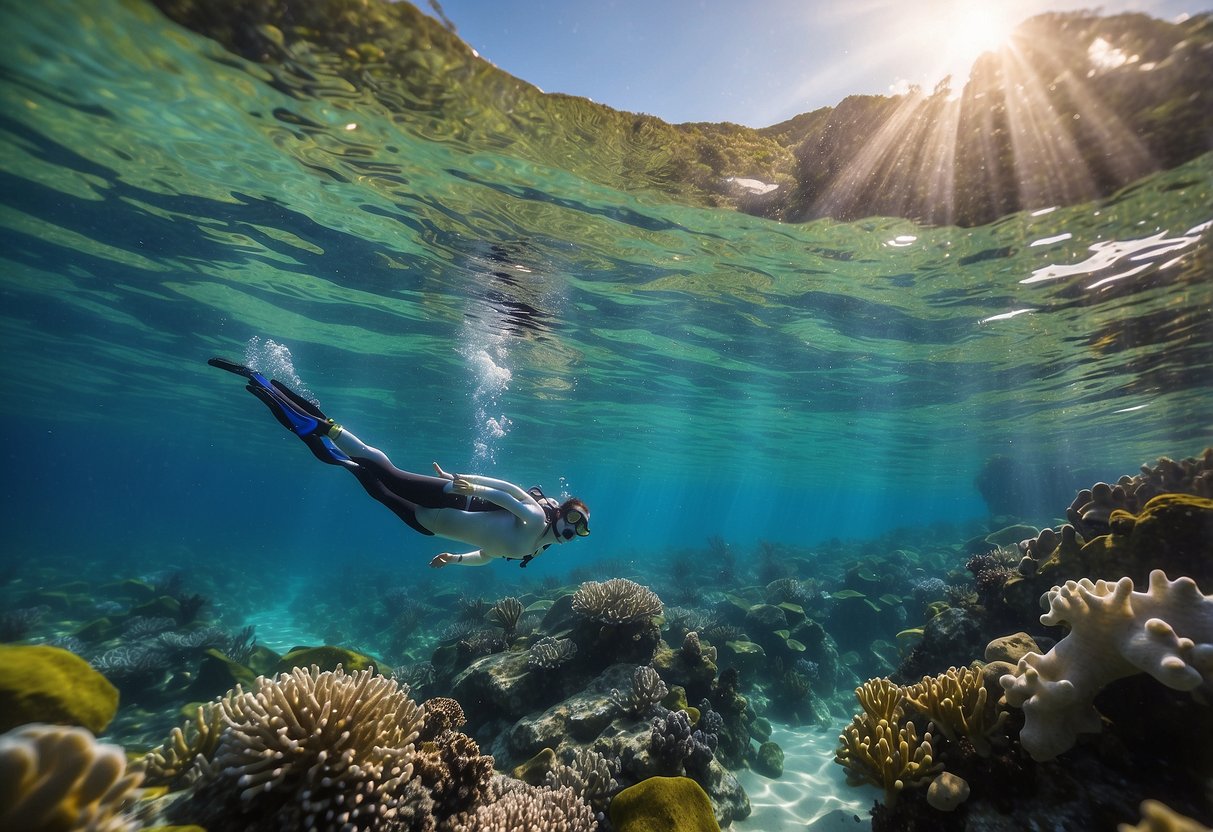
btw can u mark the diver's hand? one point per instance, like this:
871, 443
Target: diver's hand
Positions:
444, 559
461, 486
438, 470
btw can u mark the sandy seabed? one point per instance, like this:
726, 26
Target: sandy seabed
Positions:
812, 794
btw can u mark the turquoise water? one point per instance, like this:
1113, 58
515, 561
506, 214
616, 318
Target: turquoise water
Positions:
689, 372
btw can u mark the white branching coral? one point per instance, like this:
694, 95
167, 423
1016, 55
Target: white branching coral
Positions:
1166, 631
319, 749
646, 691
59, 777
528, 808
616, 602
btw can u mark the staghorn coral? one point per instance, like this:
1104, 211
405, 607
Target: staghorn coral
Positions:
1166, 631
311, 748
505, 614
529, 808
550, 653
957, 702
185, 756
616, 602
54, 777
885, 754
647, 690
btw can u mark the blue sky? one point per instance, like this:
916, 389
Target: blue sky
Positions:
755, 63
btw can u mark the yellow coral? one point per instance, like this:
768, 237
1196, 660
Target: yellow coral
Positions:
958, 704
1158, 817
186, 755
884, 754
881, 699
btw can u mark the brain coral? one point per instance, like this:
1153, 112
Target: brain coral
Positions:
616, 601
1166, 631
59, 778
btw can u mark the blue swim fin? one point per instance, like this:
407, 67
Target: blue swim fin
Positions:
292, 411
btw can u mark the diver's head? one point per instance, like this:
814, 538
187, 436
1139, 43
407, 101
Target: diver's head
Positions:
572, 520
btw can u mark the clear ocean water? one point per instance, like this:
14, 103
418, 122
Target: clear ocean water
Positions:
691, 373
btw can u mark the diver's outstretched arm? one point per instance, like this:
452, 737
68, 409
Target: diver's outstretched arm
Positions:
476, 558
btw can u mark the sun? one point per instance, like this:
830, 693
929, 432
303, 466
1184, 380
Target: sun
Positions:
971, 27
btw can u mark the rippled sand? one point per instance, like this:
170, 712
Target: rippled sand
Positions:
812, 794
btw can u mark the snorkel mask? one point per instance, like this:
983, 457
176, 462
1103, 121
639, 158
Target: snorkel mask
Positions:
576, 522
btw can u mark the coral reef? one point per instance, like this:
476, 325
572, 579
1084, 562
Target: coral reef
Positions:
616, 602
54, 777
587, 773
311, 745
646, 691
549, 653
958, 704
186, 755
880, 749
1166, 631
505, 614
527, 807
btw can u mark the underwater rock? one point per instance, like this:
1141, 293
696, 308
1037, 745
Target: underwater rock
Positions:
1010, 648
326, 657
581, 717
765, 618
535, 770
52, 685
947, 791
500, 684
953, 637
663, 804
768, 760
678, 667
218, 673
745, 656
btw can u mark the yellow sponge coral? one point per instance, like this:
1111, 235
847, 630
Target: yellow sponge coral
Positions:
958, 704
885, 754
48, 684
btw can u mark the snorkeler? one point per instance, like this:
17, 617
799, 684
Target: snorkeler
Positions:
498, 517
